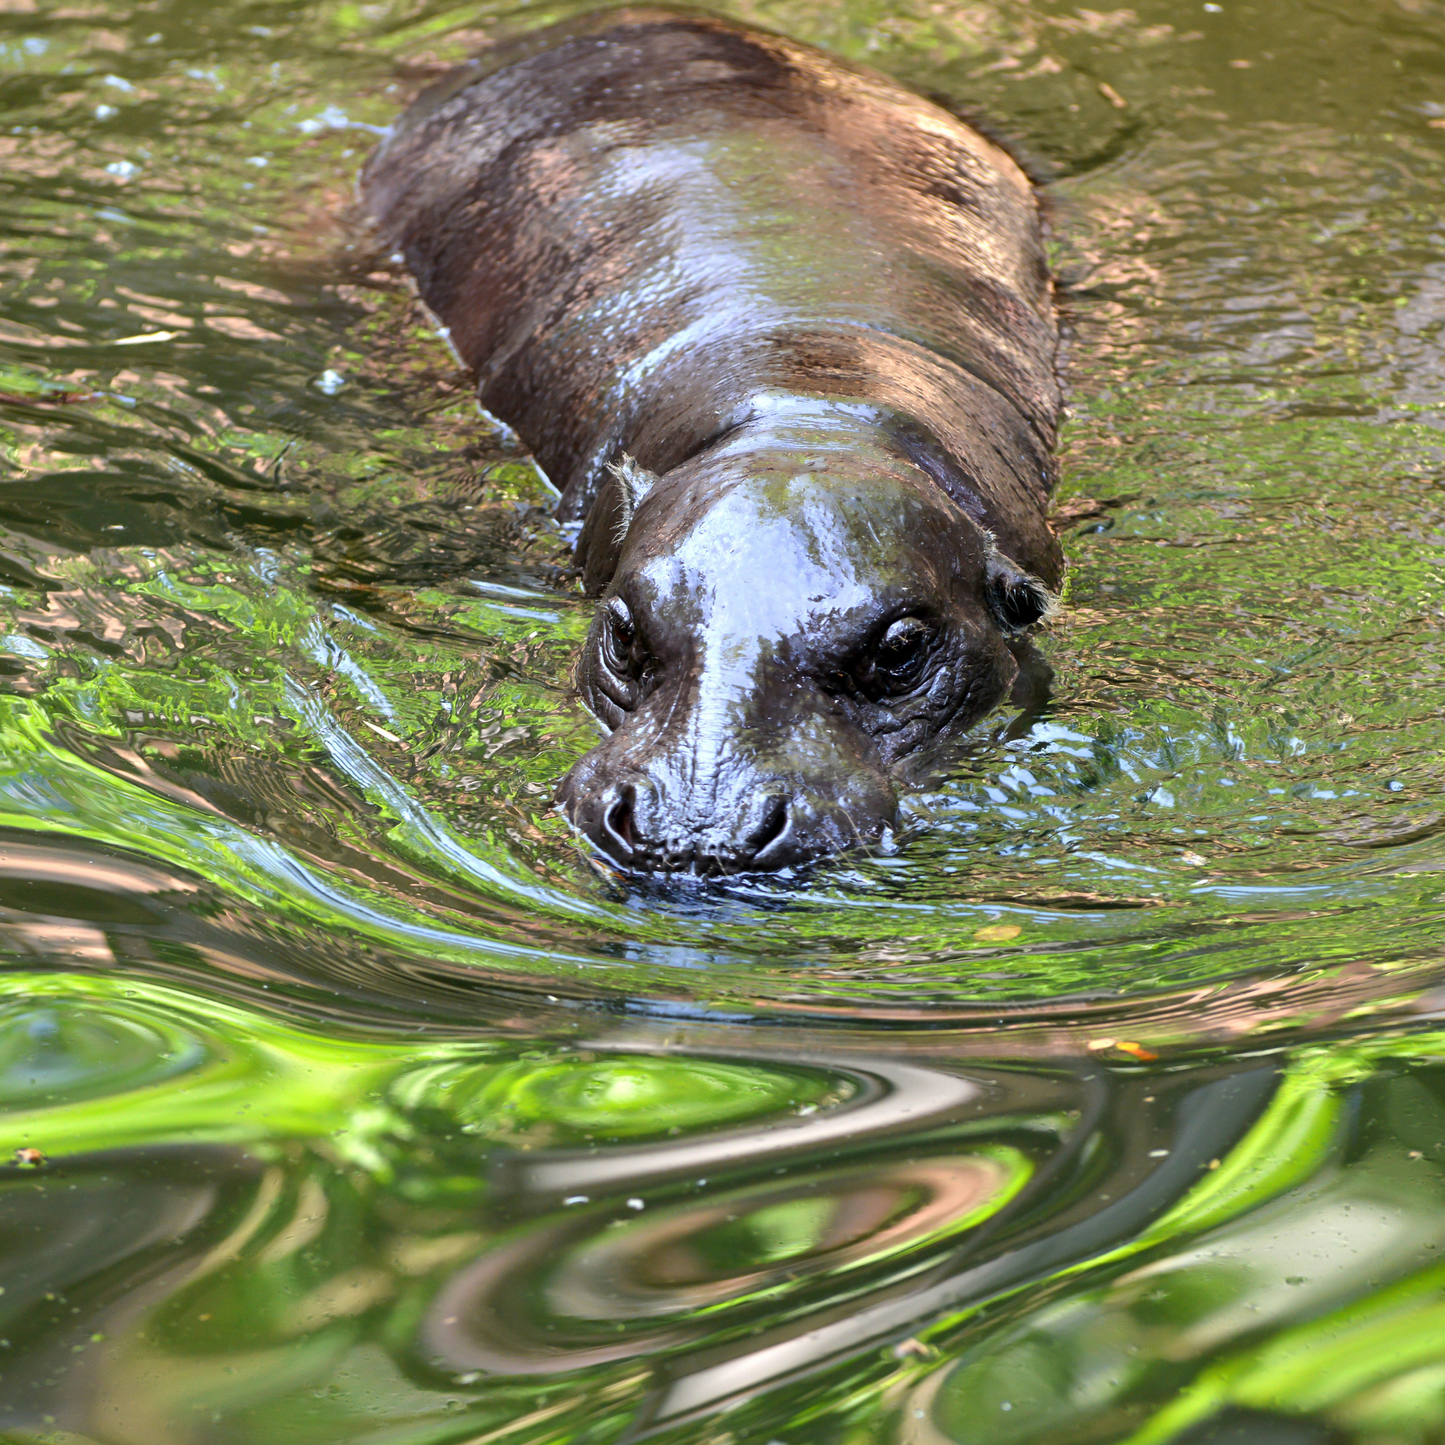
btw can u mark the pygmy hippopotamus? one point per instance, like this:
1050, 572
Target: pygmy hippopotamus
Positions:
782, 334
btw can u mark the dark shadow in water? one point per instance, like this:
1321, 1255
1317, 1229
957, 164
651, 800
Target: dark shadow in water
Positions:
91, 1245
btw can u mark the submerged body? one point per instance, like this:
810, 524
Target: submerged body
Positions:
782, 334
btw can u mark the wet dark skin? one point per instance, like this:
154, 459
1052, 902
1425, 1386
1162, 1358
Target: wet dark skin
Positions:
782, 334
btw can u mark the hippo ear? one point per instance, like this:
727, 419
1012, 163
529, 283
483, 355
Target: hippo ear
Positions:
1016, 598
633, 484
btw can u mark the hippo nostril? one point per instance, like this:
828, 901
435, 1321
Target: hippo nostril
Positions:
773, 827
617, 820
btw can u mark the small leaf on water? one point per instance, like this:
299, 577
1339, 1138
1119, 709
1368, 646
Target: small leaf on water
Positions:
1127, 1046
997, 933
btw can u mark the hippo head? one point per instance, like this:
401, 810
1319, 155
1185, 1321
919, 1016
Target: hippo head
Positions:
783, 633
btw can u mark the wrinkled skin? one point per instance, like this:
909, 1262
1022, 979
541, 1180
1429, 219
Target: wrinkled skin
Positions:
782, 333
788, 628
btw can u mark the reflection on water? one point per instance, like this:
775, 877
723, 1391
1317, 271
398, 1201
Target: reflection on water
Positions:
282, 612
852, 1242
1101, 1104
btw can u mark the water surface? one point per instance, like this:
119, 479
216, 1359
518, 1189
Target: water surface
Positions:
1102, 1103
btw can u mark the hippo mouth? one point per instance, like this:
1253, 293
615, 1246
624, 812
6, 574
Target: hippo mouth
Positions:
633, 826
767, 844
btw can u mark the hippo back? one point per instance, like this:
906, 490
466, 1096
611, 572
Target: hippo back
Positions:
643, 226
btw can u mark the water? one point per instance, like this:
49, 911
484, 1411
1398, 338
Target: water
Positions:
1105, 1103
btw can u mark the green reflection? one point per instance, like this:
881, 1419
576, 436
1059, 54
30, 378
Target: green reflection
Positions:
1332, 1268
604, 1100
335, 1233
188, 1071
59, 1053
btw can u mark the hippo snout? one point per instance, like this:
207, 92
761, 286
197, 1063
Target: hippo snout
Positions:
647, 826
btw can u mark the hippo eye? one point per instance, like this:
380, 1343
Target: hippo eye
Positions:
901, 651
618, 635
